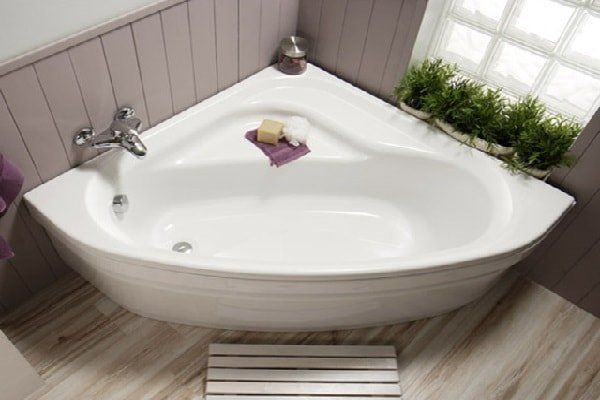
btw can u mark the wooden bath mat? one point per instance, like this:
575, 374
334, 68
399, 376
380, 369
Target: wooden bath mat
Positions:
281, 372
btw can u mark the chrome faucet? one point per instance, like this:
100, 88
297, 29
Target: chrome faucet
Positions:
123, 132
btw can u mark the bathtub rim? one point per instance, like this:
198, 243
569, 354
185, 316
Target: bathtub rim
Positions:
227, 267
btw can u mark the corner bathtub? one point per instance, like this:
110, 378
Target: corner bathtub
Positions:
386, 220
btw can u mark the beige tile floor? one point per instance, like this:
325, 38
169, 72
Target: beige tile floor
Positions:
519, 341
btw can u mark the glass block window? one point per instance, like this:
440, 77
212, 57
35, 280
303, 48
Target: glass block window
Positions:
548, 48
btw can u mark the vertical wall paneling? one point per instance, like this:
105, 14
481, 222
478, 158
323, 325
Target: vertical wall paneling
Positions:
379, 41
12, 288
366, 42
57, 265
159, 64
125, 72
309, 19
28, 107
204, 46
27, 238
288, 17
149, 43
269, 31
13, 146
94, 80
591, 301
582, 278
176, 32
61, 89
411, 14
249, 37
28, 261
226, 22
330, 32
354, 35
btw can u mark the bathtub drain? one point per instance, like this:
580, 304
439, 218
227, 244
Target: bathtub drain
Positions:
182, 247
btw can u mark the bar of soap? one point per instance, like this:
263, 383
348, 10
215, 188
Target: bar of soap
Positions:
269, 131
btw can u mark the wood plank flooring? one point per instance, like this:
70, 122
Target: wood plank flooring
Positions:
519, 341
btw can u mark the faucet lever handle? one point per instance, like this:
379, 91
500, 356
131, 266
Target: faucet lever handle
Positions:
84, 136
125, 113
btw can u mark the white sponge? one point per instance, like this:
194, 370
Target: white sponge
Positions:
296, 130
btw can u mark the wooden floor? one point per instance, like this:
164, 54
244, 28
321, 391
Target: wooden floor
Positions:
520, 341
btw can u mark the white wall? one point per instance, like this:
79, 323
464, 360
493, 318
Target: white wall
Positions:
26, 25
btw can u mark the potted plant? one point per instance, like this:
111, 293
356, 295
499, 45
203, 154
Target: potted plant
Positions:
472, 114
419, 82
544, 145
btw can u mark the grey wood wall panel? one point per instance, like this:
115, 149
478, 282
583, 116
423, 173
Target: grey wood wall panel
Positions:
591, 301
13, 146
330, 32
366, 42
249, 33
28, 107
582, 278
61, 89
226, 22
204, 46
269, 31
354, 35
176, 32
384, 20
12, 288
57, 265
149, 44
309, 20
125, 71
288, 18
411, 15
94, 80
30, 263
174, 51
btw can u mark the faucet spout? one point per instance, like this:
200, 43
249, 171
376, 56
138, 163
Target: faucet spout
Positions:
133, 144
123, 132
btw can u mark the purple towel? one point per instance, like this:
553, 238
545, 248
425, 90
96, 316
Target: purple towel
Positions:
11, 182
280, 153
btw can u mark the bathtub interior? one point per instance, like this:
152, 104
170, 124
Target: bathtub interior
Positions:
347, 201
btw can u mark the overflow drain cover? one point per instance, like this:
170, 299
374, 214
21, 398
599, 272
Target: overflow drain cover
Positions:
182, 247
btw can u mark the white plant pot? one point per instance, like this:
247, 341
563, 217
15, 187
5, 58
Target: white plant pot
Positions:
480, 144
493, 148
535, 172
414, 112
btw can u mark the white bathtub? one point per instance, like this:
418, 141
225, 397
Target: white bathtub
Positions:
386, 220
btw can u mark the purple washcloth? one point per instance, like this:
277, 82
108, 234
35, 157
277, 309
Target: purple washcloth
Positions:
11, 182
280, 153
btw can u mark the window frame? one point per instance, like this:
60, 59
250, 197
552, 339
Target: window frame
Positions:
440, 13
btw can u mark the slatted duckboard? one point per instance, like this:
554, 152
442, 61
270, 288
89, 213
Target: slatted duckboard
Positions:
281, 372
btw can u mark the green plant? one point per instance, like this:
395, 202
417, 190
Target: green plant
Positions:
471, 108
520, 116
422, 80
453, 103
488, 117
545, 144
